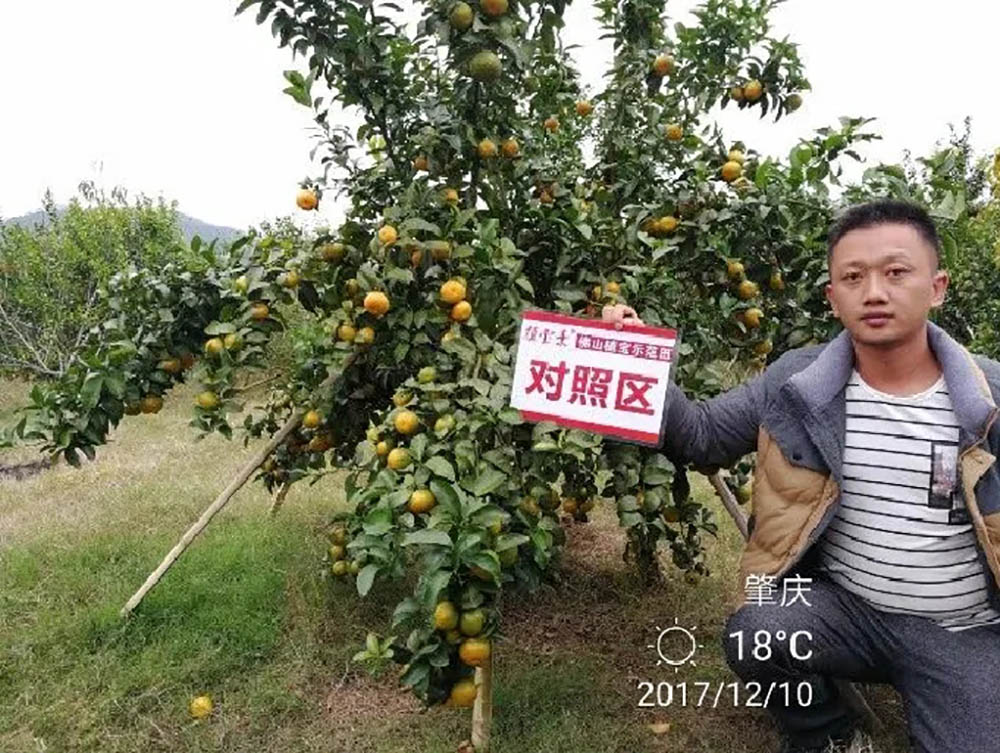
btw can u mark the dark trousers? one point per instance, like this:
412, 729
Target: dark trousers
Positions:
949, 681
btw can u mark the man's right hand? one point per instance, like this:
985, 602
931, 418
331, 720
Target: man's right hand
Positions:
620, 315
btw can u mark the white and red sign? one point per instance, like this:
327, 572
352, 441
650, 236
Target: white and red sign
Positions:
586, 374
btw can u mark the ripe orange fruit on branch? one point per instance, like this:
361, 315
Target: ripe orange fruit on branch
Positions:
753, 90
734, 269
207, 400
259, 311
736, 93
485, 66
420, 163
445, 615
751, 317
346, 333
731, 171
387, 235
170, 365
450, 195
452, 291
365, 336
214, 346
551, 123
463, 694
663, 64
461, 16
735, 155
406, 422
426, 375
422, 500
440, 250
376, 303
666, 224
290, 279
613, 287
312, 419
383, 448
306, 199
747, 290
486, 149
461, 311
401, 398
584, 108
763, 347
398, 458
493, 8
332, 252
674, 132
793, 103
510, 148
474, 651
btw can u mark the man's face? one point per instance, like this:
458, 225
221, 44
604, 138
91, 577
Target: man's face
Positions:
883, 283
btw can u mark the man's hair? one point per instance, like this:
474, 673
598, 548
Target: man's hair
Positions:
882, 212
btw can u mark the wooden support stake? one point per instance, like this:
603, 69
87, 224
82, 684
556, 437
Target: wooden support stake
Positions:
234, 486
482, 709
279, 498
848, 691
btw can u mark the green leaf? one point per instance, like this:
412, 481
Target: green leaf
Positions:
90, 393
427, 536
489, 480
220, 328
441, 467
509, 541
511, 416
446, 496
366, 577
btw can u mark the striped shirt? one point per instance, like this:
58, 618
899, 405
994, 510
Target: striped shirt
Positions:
901, 538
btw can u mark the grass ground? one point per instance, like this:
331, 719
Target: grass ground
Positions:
248, 616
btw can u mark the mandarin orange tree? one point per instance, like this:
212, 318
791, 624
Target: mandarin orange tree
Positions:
470, 198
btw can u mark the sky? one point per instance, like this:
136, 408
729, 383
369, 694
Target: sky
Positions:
183, 99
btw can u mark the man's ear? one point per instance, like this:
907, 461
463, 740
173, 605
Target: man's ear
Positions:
829, 297
940, 287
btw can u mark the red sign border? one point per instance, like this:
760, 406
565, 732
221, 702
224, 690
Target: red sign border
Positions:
627, 435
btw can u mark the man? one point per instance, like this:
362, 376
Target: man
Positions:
875, 478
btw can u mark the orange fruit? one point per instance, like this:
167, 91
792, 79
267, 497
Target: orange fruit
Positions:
352, 287
426, 375
776, 282
382, 448
735, 155
200, 707
793, 103
306, 199
747, 290
422, 500
734, 269
753, 90
170, 365
736, 93
763, 347
731, 171
493, 8
485, 66
376, 303
241, 284
440, 250
613, 287
461, 16
214, 346
452, 291
346, 333
667, 224
546, 198
406, 422
312, 419
365, 336
420, 163
445, 616
551, 123
387, 235
340, 567
510, 148
487, 149
584, 108
461, 311
463, 694
450, 195
233, 341
751, 317
151, 404
472, 622
320, 443
259, 311
290, 279
474, 651
401, 398
187, 361
675, 132
332, 252
663, 64
398, 458
207, 400
337, 552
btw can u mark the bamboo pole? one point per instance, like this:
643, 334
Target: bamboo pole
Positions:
848, 691
279, 498
234, 486
482, 709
